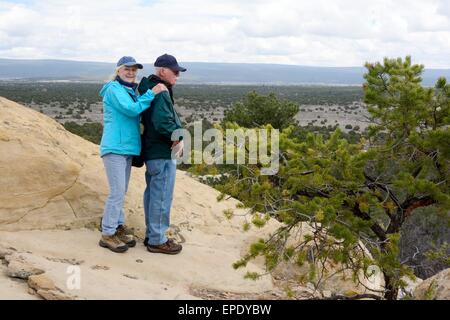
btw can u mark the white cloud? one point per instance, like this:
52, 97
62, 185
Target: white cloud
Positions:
320, 32
444, 8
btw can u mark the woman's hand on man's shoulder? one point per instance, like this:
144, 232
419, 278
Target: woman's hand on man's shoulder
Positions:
159, 88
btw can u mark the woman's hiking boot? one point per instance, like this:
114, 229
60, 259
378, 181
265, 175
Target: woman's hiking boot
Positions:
113, 243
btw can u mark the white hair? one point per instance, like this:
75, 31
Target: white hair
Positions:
116, 73
158, 70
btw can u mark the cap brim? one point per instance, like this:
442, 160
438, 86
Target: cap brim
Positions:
178, 68
133, 64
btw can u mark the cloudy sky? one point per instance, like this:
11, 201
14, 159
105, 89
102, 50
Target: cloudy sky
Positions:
302, 32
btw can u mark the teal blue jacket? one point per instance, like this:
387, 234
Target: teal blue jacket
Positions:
121, 119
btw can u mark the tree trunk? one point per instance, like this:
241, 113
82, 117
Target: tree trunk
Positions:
391, 290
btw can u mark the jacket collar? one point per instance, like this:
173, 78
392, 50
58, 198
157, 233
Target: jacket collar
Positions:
155, 79
130, 85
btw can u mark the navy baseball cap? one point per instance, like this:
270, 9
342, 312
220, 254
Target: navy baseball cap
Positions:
129, 62
168, 61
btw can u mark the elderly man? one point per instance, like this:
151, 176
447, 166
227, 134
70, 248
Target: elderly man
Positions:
159, 152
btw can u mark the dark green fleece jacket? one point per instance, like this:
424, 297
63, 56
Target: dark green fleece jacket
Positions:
160, 121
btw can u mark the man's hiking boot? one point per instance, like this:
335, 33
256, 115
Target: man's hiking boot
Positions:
170, 247
113, 243
126, 236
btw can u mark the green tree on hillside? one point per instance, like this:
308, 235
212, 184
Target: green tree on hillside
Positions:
355, 193
257, 110
89, 131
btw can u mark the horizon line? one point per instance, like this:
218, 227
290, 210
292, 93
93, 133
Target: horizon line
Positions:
245, 63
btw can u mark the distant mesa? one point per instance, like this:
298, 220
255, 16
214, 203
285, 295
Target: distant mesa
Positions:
199, 72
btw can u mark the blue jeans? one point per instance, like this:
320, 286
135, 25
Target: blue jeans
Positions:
118, 169
160, 178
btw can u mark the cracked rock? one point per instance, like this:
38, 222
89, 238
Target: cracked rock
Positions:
5, 252
41, 282
22, 270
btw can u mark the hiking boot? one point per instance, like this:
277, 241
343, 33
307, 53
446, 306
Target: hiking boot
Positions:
113, 243
128, 231
126, 236
170, 247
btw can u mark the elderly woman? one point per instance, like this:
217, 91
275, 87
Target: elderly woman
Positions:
121, 141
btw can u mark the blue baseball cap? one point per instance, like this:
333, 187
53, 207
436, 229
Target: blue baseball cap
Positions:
168, 61
129, 62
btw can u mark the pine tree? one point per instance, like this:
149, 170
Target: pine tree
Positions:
257, 110
353, 194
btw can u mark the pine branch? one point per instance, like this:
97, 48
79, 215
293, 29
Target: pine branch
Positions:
405, 210
376, 228
411, 204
